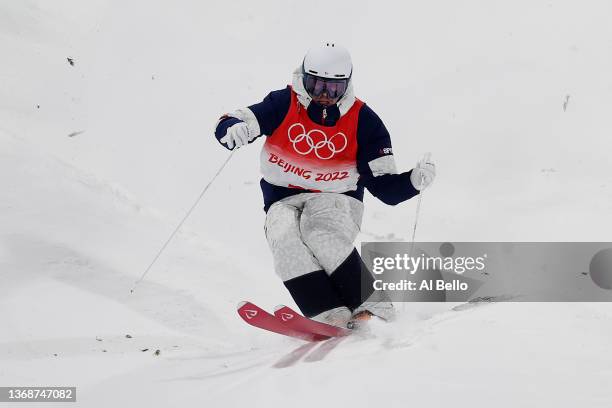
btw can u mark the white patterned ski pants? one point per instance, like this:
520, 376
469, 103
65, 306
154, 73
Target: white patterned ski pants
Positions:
312, 231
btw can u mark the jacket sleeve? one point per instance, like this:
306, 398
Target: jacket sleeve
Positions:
261, 118
376, 164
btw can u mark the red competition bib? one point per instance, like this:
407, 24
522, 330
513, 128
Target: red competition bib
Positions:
303, 154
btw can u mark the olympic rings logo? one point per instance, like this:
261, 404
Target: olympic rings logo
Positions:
315, 139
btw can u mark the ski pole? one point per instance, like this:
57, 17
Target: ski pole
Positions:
425, 159
180, 224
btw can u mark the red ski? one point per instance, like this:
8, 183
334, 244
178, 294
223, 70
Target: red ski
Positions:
256, 316
296, 321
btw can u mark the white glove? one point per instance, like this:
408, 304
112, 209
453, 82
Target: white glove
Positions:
236, 135
424, 173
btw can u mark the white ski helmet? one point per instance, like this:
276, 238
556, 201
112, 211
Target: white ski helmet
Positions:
329, 60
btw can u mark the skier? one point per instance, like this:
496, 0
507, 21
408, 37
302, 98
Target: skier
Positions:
323, 147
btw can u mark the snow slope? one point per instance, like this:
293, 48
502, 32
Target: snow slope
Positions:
99, 160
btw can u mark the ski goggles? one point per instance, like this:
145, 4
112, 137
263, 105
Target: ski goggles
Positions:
315, 86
